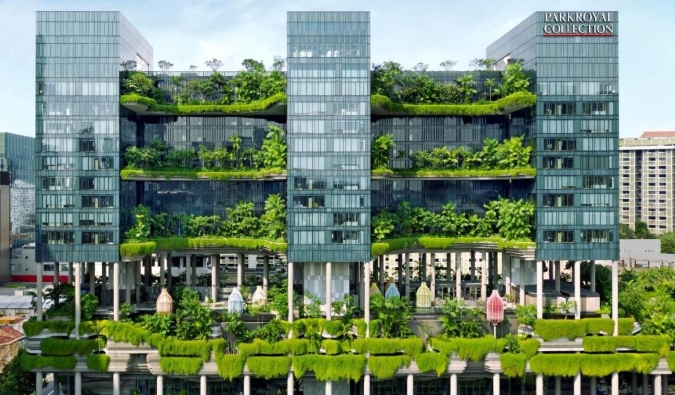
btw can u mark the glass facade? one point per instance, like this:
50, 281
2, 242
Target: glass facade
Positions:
577, 130
78, 57
328, 87
17, 155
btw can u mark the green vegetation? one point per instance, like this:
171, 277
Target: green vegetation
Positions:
434, 243
458, 320
201, 174
16, 380
334, 368
386, 367
513, 364
185, 366
570, 329
468, 349
137, 249
384, 106
230, 366
659, 344
58, 347
30, 362
196, 109
99, 362
269, 367
593, 365
430, 361
514, 172
34, 328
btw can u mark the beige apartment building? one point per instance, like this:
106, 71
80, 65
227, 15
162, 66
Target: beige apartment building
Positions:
646, 175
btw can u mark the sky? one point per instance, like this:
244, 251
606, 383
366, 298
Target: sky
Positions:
188, 32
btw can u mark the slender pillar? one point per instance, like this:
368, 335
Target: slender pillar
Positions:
104, 277
147, 271
329, 291
382, 276
366, 384
453, 384
366, 299
615, 296
539, 384
91, 268
57, 384
506, 273
57, 272
38, 381
483, 277
448, 267
495, 384
247, 384
594, 385
78, 301
577, 288
577, 384
137, 280
116, 293
240, 270
557, 385
664, 383
215, 270
399, 272
458, 275
290, 385
127, 282
645, 384
161, 260
592, 276
116, 384
540, 290
495, 270
169, 272
78, 383
290, 294
615, 384
160, 385
38, 292
266, 273
202, 385
329, 388
193, 271
432, 283
406, 269
70, 272
657, 385
472, 267
633, 386
557, 275
410, 385
188, 270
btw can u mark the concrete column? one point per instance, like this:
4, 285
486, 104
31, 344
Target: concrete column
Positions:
78, 300
458, 276
577, 288
432, 283
366, 299
116, 384
240, 270
161, 260
399, 271
38, 293
448, 266
215, 280
483, 277
160, 385
645, 384
539, 384
594, 385
557, 385
615, 384
540, 289
329, 388
495, 384
664, 383
247, 385
633, 385
193, 270
202, 385
495, 270
329, 291
472, 267
266, 273
506, 273
366, 384
91, 268
290, 385
406, 269
169, 272
615, 296
57, 384
657, 385
127, 282
290, 295
78, 383
557, 275
116, 294
577, 384
147, 271
38, 380
70, 272
57, 272
410, 385
382, 276
592, 276
453, 384
188, 270
104, 276
137, 280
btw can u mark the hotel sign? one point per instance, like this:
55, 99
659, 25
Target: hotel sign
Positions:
578, 24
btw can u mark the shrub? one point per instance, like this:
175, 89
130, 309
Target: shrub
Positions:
513, 364
385, 367
361, 327
565, 365
269, 367
185, 348
529, 347
126, 332
134, 249
92, 327
431, 361
334, 368
58, 347
256, 106
34, 328
332, 347
469, 349
556, 329
230, 366
99, 362
657, 343
185, 366
600, 365
30, 362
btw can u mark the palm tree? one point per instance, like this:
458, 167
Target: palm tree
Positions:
490, 83
466, 86
236, 146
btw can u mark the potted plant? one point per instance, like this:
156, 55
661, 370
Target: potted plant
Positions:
526, 317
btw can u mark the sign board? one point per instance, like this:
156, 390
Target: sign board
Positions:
567, 24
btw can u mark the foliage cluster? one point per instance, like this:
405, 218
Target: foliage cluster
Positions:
436, 243
269, 367
16, 380
659, 344
34, 328
431, 361
98, 362
469, 349
459, 320
510, 219
30, 362
393, 315
383, 106
185, 366
60, 347
571, 329
195, 109
592, 365
334, 368
386, 367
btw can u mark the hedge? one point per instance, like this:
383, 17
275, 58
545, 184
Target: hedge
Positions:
593, 365
659, 344
186, 366
269, 367
444, 243
99, 362
469, 349
34, 328
432, 361
180, 243
92, 327
525, 171
282, 347
230, 366
333, 368
128, 250
565, 365
126, 332
385, 367
671, 360
570, 329
494, 108
332, 347
411, 347
186, 109
529, 347
30, 362
59, 347
513, 364
220, 175
185, 348
361, 326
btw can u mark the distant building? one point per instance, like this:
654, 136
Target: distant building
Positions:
643, 253
10, 342
647, 185
17, 156
5, 227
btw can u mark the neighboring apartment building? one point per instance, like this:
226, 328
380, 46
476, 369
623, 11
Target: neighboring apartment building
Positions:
647, 183
83, 207
17, 155
5, 226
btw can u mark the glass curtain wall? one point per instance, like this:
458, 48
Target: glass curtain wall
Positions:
328, 136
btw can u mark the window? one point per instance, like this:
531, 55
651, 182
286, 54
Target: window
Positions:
345, 237
597, 162
97, 201
561, 200
302, 183
309, 201
87, 145
57, 183
596, 236
560, 144
97, 237
556, 162
346, 219
559, 236
598, 182
565, 108
597, 108
58, 237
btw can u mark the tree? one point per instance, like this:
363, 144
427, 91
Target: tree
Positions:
274, 148
381, 148
382, 225
394, 314
192, 67
625, 232
642, 230
236, 145
279, 63
490, 83
514, 79
420, 67
273, 221
385, 79
15, 380
164, 65
129, 65
140, 230
668, 243
482, 64
214, 64
466, 86
448, 65
193, 321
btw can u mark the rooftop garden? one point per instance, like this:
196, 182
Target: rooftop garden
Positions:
507, 159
